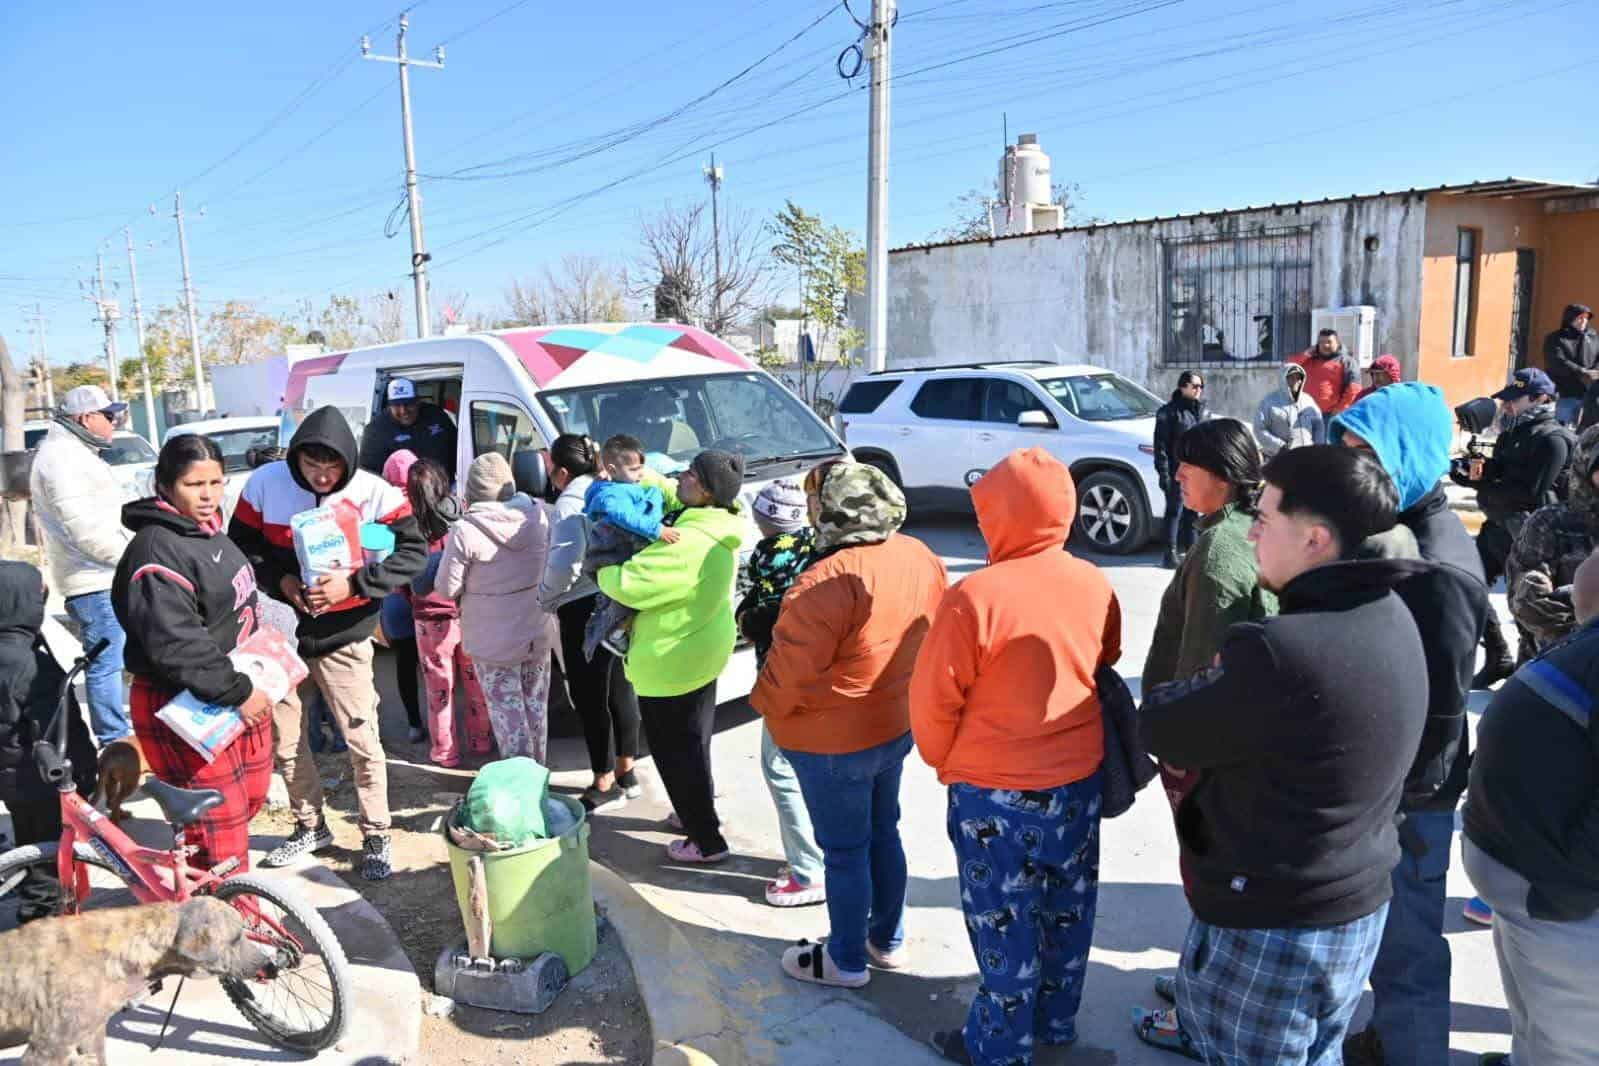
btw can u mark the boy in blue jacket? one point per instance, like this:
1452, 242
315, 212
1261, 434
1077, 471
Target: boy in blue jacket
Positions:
626, 514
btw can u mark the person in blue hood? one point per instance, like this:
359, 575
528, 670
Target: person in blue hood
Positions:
1410, 429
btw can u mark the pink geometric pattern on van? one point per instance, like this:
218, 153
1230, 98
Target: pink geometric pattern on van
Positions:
546, 351
305, 370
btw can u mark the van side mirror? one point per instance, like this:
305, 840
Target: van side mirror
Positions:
1035, 420
531, 473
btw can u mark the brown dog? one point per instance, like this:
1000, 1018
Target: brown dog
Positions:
122, 767
61, 979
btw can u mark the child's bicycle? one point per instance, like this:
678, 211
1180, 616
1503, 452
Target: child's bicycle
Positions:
300, 999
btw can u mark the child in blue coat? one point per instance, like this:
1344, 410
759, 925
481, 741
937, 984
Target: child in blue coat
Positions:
625, 515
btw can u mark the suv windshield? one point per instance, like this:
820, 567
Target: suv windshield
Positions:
680, 417
1101, 397
128, 450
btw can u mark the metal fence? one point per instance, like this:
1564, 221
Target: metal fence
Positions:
1236, 299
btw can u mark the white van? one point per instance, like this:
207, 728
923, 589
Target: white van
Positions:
676, 388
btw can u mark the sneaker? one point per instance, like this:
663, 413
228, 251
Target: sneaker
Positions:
377, 857
1363, 1049
602, 799
1477, 912
688, 851
416, 734
305, 840
810, 962
787, 891
1160, 1028
951, 1043
1166, 987
887, 960
630, 784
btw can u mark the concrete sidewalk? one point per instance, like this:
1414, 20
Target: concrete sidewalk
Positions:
736, 938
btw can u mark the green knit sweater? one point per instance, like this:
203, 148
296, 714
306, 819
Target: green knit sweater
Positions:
1218, 584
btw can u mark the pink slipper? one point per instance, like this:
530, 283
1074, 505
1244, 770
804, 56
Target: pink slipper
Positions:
688, 851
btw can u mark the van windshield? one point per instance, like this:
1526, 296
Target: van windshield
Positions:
679, 417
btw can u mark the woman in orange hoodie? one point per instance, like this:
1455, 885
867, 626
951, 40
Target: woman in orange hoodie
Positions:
1004, 707
835, 695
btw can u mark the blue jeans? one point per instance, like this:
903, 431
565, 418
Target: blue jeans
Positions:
854, 805
793, 820
1410, 979
108, 710
1029, 876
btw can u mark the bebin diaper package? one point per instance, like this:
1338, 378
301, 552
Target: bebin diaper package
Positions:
327, 540
268, 658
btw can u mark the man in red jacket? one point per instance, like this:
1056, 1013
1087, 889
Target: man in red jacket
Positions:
1331, 377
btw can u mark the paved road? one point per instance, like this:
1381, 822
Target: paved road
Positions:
1142, 914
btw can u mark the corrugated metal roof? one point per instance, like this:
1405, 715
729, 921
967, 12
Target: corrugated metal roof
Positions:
1500, 188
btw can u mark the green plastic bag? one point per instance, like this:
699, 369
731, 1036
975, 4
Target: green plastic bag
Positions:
506, 801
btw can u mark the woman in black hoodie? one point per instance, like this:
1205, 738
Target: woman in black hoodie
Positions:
1183, 411
186, 597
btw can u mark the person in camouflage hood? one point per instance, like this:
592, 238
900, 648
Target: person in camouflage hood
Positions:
854, 504
1550, 547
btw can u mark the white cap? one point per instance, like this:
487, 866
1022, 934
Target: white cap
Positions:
402, 390
86, 399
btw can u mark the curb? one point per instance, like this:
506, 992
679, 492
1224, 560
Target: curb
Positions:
689, 1022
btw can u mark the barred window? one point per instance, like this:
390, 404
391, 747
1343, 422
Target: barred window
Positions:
1236, 299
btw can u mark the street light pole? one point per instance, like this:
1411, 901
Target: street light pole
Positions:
713, 174
877, 188
138, 332
108, 321
413, 195
188, 304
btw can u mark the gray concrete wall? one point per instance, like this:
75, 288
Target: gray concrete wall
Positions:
1094, 295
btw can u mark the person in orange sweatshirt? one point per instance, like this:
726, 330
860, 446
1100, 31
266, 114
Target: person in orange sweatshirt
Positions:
835, 695
1004, 706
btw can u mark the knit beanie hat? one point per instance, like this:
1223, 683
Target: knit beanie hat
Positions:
722, 474
488, 479
397, 467
781, 506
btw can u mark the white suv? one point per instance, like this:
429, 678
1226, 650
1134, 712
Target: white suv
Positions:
936, 430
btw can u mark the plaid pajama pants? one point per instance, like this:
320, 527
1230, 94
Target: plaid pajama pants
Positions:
242, 772
1283, 997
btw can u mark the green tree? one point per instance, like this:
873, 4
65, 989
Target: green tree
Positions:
831, 266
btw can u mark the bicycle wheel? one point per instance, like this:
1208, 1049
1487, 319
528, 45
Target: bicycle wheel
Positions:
301, 999
28, 882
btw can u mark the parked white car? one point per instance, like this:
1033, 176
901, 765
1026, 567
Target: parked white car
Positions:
935, 431
235, 436
129, 453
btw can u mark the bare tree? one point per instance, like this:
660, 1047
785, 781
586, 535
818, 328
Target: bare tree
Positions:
13, 406
527, 303
972, 207
587, 289
385, 314
675, 270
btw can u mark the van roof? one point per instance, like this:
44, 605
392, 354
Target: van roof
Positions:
558, 356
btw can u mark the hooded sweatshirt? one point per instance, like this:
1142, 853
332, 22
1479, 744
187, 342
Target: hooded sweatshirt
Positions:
683, 593
1284, 420
186, 596
1390, 366
837, 677
30, 685
276, 493
1410, 429
1569, 352
491, 565
1551, 545
1303, 733
1004, 693
1333, 381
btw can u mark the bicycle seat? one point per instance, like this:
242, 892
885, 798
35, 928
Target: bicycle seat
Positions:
182, 806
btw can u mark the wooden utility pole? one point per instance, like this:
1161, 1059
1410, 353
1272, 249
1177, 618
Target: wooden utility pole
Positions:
13, 402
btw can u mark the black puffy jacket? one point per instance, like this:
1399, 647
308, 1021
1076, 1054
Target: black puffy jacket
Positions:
1568, 353
1172, 420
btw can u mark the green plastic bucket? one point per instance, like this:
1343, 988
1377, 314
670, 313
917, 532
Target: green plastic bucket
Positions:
539, 895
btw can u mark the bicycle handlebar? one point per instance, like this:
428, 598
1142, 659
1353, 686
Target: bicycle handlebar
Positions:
50, 757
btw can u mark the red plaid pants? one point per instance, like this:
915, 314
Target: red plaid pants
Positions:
242, 772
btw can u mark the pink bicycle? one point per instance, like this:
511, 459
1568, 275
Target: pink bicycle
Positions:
298, 1000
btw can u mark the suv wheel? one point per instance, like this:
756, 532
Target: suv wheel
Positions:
1111, 516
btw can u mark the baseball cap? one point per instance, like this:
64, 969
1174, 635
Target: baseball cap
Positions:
402, 390
1528, 382
86, 399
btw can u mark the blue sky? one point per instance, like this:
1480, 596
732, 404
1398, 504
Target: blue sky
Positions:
265, 115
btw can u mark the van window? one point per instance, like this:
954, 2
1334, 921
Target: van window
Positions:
502, 427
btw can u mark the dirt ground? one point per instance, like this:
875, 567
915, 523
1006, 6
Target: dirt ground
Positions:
597, 1019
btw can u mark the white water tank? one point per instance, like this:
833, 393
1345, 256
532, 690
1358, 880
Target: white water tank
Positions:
1025, 203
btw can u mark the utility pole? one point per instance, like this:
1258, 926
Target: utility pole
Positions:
713, 175
43, 357
138, 332
106, 315
879, 55
188, 305
413, 196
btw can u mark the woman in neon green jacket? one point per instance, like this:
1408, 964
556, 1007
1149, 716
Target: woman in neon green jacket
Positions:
683, 637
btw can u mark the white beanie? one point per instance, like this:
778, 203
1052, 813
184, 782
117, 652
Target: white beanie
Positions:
781, 505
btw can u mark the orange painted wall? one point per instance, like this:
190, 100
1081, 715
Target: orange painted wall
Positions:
1503, 226
1568, 271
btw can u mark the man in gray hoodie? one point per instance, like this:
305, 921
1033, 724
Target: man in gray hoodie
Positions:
1288, 418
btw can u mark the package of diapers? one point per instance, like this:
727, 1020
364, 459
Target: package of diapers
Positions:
327, 540
267, 657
